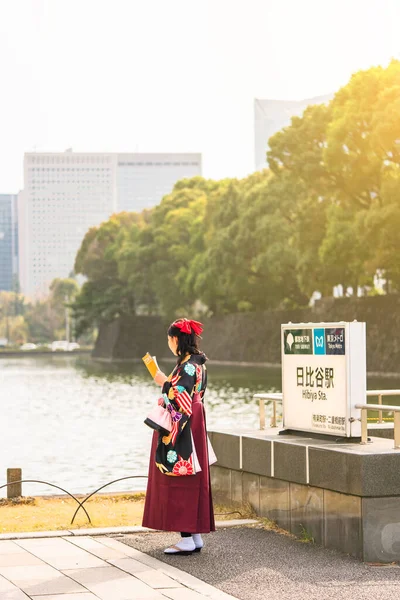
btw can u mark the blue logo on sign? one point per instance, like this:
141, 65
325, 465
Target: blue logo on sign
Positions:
319, 341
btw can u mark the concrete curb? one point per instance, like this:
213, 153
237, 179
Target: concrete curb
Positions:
96, 531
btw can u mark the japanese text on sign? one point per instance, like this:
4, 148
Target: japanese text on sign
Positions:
329, 422
319, 377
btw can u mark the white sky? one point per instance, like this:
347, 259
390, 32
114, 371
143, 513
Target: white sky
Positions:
172, 75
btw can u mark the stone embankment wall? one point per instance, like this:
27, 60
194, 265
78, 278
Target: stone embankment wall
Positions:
127, 339
255, 337
345, 496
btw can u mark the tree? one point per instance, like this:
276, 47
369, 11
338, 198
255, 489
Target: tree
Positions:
46, 318
105, 295
135, 262
363, 135
305, 190
338, 162
211, 272
43, 322
381, 232
63, 290
175, 236
326, 213
12, 323
343, 251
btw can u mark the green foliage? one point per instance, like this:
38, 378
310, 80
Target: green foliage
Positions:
42, 321
305, 536
45, 318
45, 322
63, 290
12, 323
341, 165
326, 213
105, 295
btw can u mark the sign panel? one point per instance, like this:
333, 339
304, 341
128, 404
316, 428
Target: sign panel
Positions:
323, 377
298, 341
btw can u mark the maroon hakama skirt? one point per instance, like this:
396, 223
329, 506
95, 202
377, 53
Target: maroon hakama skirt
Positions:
181, 503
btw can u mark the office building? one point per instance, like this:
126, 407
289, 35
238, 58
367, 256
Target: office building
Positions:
143, 179
8, 242
272, 115
67, 193
64, 195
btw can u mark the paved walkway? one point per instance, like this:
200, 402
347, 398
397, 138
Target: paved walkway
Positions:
254, 564
248, 562
87, 568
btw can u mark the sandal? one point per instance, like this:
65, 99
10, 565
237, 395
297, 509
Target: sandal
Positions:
176, 551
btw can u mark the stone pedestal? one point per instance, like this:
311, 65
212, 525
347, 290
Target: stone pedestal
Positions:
346, 496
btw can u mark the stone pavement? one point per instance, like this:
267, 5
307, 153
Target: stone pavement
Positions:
88, 568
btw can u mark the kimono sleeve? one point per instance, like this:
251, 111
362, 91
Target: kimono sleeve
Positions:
181, 386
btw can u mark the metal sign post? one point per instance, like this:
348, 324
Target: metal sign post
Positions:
323, 377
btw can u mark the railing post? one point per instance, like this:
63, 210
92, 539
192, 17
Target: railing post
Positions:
396, 418
273, 418
262, 413
14, 490
380, 414
364, 426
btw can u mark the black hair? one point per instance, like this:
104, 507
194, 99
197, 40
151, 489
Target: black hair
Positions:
187, 342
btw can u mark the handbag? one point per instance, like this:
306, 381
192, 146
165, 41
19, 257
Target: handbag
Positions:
159, 419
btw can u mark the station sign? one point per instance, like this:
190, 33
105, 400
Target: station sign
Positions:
323, 377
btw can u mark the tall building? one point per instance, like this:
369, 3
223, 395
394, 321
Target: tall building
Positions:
143, 179
8, 242
67, 193
64, 195
272, 115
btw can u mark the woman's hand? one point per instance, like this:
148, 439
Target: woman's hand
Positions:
160, 378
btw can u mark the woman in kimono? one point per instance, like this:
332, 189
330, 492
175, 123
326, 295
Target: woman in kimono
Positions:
178, 496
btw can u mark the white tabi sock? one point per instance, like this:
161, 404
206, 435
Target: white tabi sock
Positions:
198, 541
185, 544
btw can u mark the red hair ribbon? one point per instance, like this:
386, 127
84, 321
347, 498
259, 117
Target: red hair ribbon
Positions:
187, 326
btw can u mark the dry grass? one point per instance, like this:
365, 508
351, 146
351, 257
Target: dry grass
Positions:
269, 525
45, 514
49, 514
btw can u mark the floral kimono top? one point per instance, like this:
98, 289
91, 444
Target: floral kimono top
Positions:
175, 451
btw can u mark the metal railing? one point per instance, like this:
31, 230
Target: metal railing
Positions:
80, 504
383, 408
381, 393
276, 398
